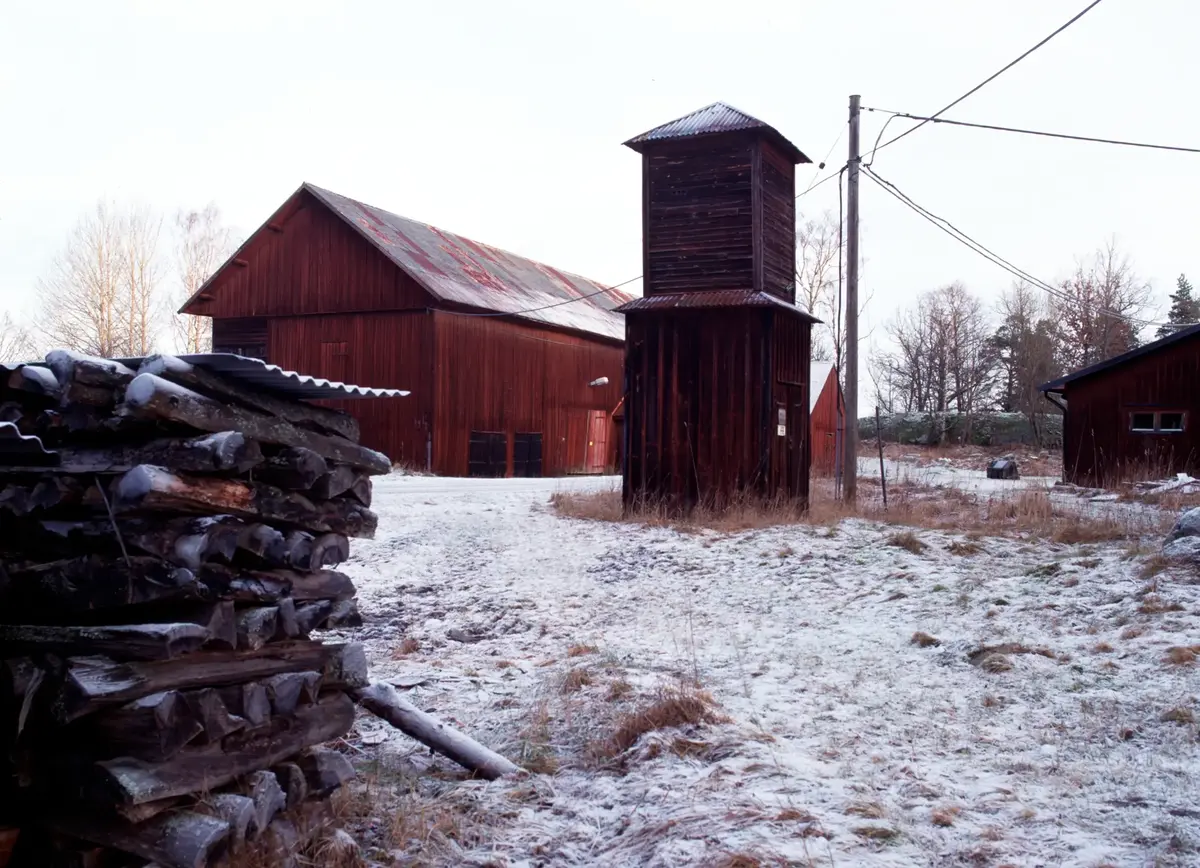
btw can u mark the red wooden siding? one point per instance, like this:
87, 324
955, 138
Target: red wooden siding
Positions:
702, 406
311, 263
387, 350
243, 336
827, 416
778, 219
699, 223
493, 375
1098, 446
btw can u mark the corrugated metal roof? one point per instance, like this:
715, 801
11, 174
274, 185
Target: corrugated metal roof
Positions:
29, 447
708, 299
257, 374
459, 270
710, 120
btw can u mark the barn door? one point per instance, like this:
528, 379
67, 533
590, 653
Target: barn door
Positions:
487, 454
597, 442
527, 454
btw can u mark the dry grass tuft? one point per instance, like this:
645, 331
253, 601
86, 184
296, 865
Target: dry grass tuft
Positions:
924, 640
1133, 631
1182, 714
408, 645
580, 650
875, 833
1182, 655
866, 810
964, 549
594, 506
794, 815
537, 754
994, 662
908, 541
1153, 604
576, 679
1154, 565
672, 707
744, 859
618, 690
1102, 648
990, 701
945, 816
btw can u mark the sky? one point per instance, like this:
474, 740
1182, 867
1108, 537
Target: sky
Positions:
504, 121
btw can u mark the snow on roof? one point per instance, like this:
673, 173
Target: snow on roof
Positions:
459, 270
818, 378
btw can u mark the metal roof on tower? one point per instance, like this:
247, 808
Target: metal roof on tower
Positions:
713, 120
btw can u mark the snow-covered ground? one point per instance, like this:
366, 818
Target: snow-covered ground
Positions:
846, 744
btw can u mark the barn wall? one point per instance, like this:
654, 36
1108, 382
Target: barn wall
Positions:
698, 216
495, 375
1098, 446
778, 223
701, 406
826, 419
311, 263
384, 350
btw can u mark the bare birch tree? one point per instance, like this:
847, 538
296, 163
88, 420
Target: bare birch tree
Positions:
139, 236
817, 255
16, 344
202, 244
82, 299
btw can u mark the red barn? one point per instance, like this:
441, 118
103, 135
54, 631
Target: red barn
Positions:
500, 352
1134, 416
828, 414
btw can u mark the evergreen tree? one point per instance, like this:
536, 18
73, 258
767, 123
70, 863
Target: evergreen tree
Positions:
1185, 309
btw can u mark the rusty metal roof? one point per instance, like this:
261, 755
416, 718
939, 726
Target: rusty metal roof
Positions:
461, 271
711, 120
710, 299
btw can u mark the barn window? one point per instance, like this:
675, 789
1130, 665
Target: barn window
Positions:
1170, 422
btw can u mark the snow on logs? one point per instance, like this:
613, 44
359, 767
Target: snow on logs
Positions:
168, 541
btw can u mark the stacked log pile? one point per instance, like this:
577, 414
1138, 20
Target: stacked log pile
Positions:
167, 550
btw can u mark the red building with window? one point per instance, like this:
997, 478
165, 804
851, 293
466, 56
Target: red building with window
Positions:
1134, 415
515, 367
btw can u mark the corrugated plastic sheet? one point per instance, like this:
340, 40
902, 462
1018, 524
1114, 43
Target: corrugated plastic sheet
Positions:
257, 374
716, 298
459, 270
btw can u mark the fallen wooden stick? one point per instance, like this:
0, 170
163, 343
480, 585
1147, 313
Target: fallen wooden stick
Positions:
384, 702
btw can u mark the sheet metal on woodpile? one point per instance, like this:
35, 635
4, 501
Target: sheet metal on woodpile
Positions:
461, 271
712, 119
271, 378
713, 299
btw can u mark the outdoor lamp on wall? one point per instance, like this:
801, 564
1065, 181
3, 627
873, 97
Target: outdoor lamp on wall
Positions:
599, 381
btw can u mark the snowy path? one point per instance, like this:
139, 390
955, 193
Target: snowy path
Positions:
847, 745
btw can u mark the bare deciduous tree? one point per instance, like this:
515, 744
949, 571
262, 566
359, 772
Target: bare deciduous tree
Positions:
202, 244
817, 255
101, 294
1098, 307
16, 344
943, 357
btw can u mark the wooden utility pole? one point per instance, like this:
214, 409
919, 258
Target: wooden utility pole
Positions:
850, 447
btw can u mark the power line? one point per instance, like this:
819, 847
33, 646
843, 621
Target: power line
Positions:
821, 165
991, 77
1026, 132
960, 236
548, 306
828, 177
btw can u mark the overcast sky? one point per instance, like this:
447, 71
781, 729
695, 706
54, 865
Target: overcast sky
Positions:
503, 121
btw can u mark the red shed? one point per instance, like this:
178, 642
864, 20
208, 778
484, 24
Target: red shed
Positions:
500, 352
1136, 415
828, 416
716, 352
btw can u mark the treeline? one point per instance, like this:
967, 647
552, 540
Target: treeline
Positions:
952, 352
115, 286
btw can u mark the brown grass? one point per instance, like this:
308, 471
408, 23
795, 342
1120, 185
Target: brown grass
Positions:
576, 679
618, 690
1102, 648
1182, 655
875, 833
582, 650
964, 549
1154, 604
866, 810
672, 707
924, 640
1182, 715
1154, 565
945, 816
408, 645
909, 505
1133, 631
908, 541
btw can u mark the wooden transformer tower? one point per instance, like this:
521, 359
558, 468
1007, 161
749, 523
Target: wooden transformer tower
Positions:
716, 351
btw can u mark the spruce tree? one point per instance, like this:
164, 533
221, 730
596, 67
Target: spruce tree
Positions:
1185, 309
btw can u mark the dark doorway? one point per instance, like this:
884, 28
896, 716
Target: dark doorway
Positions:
488, 454
527, 454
